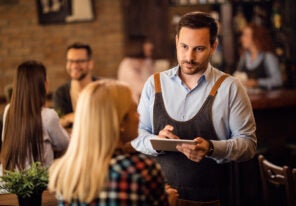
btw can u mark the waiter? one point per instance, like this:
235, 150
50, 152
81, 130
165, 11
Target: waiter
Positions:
199, 102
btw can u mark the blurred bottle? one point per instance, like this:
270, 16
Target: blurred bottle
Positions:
276, 16
239, 20
279, 36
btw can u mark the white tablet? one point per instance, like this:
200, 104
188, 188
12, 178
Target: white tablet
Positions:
163, 144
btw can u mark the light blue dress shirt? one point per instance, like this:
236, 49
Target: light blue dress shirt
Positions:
232, 113
272, 67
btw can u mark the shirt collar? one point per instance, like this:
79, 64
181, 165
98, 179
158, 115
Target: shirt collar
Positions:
259, 56
208, 74
174, 72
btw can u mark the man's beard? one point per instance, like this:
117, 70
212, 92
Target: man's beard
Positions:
197, 67
82, 76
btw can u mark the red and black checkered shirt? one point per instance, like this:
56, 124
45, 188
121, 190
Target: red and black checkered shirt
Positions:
134, 179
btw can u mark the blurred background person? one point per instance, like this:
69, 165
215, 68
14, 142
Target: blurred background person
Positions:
31, 132
258, 67
79, 66
8, 94
138, 64
101, 171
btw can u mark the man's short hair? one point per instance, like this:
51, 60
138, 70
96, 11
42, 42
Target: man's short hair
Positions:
79, 45
197, 20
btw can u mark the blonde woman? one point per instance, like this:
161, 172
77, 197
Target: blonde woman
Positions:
95, 170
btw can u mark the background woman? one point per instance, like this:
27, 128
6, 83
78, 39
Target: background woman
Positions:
95, 169
31, 132
138, 65
258, 61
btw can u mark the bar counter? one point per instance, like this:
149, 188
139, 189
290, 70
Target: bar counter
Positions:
275, 115
272, 99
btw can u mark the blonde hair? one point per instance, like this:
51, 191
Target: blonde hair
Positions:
83, 170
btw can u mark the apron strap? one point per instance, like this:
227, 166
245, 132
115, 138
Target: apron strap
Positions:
157, 84
217, 84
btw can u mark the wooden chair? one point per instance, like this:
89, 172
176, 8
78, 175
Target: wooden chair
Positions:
272, 174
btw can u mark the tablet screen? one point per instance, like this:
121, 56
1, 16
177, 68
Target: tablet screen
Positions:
163, 144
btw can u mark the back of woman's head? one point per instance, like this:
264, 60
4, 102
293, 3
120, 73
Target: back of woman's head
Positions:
23, 122
261, 37
101, 108
135, 46
29, 85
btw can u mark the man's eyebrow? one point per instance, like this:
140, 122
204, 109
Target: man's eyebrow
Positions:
193, 47
199, 47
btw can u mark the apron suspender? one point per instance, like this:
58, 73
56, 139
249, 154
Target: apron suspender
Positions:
217, 84
157, 82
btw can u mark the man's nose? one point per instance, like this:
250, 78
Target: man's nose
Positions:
75, 64
189, 55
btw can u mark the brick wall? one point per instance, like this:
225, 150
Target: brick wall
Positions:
22, 38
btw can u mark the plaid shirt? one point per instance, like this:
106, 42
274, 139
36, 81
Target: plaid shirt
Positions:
134, 179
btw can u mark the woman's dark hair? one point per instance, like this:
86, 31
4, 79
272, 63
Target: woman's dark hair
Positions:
261, 38
134, 46
197, 20
23, 131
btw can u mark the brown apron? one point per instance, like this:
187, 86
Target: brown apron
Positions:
203, 183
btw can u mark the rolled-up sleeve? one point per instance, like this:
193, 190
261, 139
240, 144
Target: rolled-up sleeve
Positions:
242, 142
145, 108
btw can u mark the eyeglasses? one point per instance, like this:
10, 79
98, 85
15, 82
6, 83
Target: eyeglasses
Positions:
77, 61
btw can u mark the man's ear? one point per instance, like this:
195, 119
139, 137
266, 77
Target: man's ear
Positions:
91, 64
177, 39
214, 47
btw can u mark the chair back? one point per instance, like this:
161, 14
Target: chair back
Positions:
272, 174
